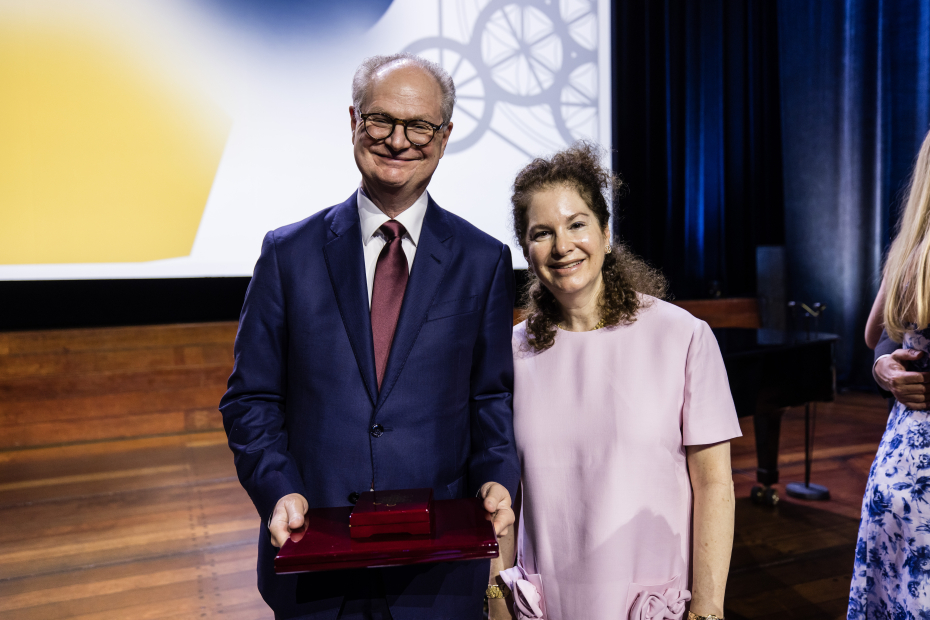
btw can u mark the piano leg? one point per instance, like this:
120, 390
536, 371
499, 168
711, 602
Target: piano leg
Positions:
767, 423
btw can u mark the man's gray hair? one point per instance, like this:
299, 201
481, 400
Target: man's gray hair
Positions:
370, 66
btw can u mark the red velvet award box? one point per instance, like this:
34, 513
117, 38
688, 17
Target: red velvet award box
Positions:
457, 529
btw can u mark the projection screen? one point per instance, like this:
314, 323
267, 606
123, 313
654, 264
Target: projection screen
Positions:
163, 138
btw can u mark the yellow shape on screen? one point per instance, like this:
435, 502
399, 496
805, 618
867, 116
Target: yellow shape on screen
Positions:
102, 159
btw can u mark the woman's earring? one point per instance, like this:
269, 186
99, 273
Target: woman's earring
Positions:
607, 249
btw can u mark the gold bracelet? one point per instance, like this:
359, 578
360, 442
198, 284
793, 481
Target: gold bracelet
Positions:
694, 616
496, 591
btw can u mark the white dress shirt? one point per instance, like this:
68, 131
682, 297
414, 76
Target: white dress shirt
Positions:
371, 219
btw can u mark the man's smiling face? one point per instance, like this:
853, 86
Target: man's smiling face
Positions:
403, 91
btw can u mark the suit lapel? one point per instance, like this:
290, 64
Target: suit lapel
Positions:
429, 268
345, 262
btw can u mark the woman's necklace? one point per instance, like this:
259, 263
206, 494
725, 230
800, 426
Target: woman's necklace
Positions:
599, 325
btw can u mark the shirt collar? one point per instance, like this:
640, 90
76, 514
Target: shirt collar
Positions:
371, 217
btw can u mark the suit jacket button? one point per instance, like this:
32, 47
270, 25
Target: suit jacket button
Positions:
376, 430
353, 497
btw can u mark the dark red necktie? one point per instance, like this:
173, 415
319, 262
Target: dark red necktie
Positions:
387, 293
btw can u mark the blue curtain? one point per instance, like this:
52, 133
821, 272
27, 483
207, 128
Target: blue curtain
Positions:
855, 104
741, 123
697, 139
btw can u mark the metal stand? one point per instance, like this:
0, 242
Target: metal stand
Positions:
806, 490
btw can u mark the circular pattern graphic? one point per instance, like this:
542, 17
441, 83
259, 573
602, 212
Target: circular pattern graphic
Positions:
537, 55
472, 111
521, 49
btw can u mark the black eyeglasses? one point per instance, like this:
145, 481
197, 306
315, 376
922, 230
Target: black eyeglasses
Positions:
418, 132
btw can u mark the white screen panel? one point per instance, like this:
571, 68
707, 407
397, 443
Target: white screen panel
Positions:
165, 138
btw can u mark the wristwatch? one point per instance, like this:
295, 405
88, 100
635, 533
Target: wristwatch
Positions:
694, 616
496, 591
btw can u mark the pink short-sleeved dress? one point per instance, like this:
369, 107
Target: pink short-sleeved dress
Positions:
601, 421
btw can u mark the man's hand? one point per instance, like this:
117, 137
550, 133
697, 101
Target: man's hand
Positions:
287, 517
497, 503
909, 388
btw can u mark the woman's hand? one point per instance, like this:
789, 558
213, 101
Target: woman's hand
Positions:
712, 543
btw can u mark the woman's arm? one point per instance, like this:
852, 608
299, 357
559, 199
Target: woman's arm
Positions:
876, 323
712, 482
502, 608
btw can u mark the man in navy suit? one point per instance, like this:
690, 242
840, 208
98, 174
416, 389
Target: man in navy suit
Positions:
374, 353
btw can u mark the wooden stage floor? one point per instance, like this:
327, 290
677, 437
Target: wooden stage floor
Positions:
159, 527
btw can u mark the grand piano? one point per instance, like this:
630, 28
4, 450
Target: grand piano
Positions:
769, 371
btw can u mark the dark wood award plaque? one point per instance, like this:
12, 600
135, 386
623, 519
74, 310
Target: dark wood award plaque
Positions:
461, 530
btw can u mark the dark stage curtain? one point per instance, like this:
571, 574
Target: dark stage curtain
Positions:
855, 89
696, 139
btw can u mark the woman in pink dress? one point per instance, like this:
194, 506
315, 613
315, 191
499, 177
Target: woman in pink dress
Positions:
622, 415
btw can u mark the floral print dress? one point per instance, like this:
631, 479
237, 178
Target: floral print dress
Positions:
891, 578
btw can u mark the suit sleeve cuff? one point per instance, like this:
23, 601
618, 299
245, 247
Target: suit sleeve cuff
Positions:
881, 389
874, 364
274, 487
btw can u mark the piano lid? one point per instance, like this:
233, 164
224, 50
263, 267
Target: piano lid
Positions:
735, 341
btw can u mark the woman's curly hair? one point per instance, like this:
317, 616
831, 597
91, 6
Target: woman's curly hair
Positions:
625, 274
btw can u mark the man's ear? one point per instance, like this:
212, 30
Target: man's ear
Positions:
446, 132
353, 121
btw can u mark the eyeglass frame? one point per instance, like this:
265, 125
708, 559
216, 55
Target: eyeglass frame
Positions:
400, 121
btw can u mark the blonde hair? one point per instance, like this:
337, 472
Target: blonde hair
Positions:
907, 270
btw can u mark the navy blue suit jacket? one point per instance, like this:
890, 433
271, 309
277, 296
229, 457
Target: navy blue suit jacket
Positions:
303, 395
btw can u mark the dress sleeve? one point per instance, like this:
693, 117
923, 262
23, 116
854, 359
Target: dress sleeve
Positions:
708, 414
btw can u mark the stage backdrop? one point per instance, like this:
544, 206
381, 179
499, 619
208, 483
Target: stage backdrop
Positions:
855, 84
162, 139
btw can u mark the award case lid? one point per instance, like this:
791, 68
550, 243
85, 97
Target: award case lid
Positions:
461, 531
